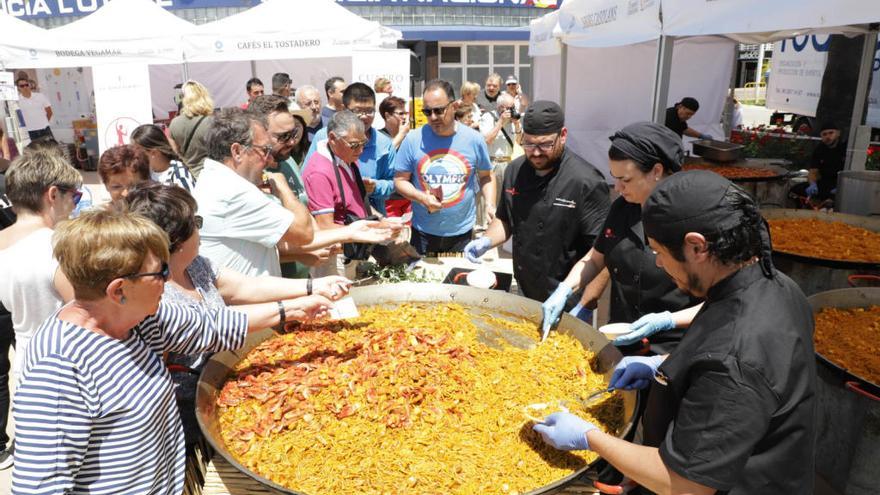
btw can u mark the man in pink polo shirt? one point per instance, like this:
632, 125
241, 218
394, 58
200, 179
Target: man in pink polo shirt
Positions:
334, 164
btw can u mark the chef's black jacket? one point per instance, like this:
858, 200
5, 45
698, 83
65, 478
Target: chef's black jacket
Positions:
554, 219
673, 122
638, 286
743, 380
830, 162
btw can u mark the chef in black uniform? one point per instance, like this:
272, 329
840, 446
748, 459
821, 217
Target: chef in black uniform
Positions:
678, 115
552, 202
743, 377
826, 162
641, 156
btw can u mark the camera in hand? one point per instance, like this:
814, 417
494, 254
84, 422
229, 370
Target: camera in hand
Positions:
514, 114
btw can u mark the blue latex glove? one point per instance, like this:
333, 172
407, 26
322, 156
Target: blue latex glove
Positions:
646, 326
582, 313
565, 431
812, 189
635, 372
477, 248
707, 137
553, 307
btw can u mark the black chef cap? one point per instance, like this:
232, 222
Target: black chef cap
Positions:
689, 202
543, 117
826, 125
648, 143
690, 103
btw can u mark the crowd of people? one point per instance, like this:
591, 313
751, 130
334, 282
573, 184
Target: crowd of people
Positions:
244, 218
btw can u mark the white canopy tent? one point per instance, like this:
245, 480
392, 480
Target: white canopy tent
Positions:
122, 31
608, 64
265, 39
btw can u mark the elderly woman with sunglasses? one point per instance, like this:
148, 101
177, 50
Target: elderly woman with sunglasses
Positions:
194, 280
95, 410
43, 189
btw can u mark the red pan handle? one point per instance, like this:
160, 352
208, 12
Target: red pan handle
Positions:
855, 387
609, 489
861, 276
458, 276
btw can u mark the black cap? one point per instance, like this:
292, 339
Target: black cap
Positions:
828, 125
689, 202
690, 103
543, 117
649, 143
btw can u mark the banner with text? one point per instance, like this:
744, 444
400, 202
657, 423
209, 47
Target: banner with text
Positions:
797, 68
122, 98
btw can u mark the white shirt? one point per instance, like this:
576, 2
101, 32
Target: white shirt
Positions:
241, 225
500, 148
27, 287
34, 111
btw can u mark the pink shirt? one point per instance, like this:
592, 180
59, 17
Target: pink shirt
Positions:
323, 190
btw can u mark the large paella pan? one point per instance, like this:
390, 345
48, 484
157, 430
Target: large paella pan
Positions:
480, 306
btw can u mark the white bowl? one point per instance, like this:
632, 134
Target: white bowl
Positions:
615, 329
481, 279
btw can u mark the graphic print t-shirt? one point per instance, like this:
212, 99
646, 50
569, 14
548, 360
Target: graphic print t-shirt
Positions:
450, 163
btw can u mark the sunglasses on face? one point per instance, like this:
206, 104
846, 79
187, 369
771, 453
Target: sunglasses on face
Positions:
438, 111
75, 194
290, 135
164, 273
355, 146
24, 85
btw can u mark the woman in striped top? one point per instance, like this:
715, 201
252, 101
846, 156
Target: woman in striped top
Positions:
95, 411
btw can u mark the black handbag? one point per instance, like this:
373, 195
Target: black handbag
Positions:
354, 250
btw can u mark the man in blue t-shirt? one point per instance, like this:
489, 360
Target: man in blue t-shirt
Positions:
439, 167
376, 162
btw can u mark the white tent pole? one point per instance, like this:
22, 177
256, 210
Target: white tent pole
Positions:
563, 76
759, 70
869, 47
662, 75
254, 69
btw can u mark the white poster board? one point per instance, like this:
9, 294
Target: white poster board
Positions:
368, 65
7, 86
797, 67
122, 96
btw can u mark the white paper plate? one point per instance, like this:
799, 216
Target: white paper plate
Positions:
615, 329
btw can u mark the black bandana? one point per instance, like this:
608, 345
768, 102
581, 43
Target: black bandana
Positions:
648, 143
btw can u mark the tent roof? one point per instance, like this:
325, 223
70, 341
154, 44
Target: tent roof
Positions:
760, 20
271, 31
127, 20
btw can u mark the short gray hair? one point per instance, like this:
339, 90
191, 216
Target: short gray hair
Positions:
229, 126
302, 89
343, 122
504, 100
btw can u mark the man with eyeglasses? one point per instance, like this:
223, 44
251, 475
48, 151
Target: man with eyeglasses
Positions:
307, 97
377, 158
337, 191
439, 167
243, 229
553, 204
35, 108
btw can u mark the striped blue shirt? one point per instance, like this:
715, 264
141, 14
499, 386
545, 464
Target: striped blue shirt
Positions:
97, 415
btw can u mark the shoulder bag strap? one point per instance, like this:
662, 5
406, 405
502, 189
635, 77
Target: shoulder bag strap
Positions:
192, 133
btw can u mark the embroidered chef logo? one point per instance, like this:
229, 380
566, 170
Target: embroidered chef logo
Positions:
512, 191
448, 170
609, 233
